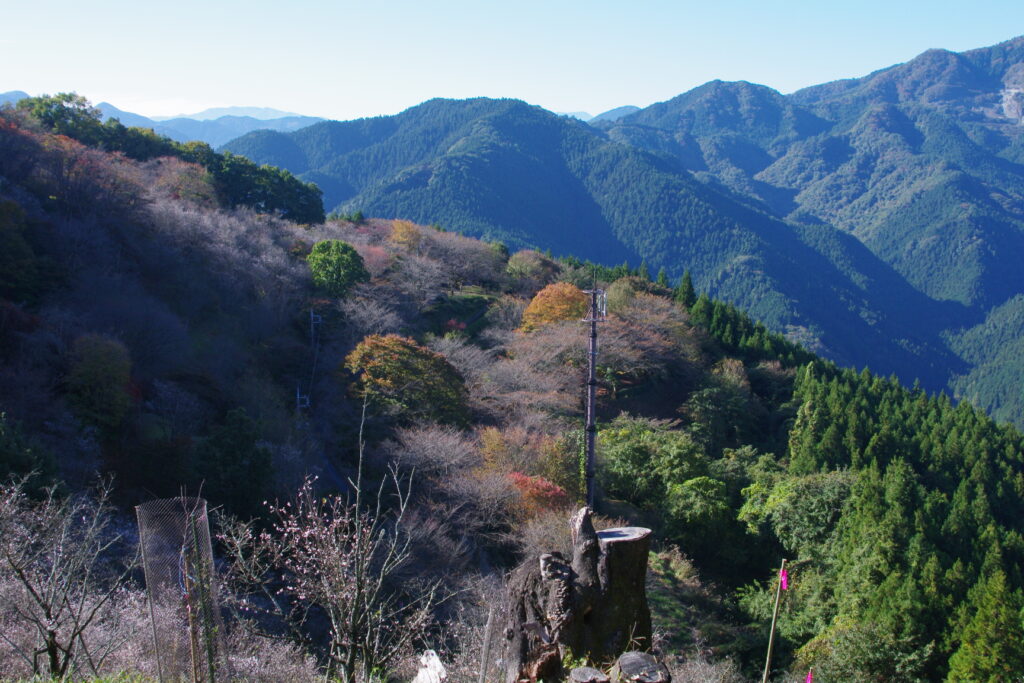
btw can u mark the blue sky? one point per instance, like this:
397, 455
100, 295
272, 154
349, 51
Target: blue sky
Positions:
343, 60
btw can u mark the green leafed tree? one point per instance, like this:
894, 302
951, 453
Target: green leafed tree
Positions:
239, 181
19, 456
98, 380
336, 266
236, 471
20, 277
66, 113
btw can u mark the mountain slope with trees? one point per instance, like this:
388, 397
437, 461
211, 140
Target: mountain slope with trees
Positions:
920, 162
162, 336
504, 170
168, 337
752, 191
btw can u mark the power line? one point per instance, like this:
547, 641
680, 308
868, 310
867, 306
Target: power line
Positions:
302, 400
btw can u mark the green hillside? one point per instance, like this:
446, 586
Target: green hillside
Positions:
152, 331
749, 190
510, 172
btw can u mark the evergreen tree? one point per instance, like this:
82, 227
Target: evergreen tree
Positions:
684, 293
662, 278
701, 311
991, 644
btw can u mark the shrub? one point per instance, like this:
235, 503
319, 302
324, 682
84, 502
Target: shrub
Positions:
342, 560
99, 379
19, 456
538, 493
57, 581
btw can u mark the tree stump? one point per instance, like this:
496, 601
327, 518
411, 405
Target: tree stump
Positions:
593, 606
585, 674
639, 667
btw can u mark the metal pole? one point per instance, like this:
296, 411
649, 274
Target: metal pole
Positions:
592, 399
775, 618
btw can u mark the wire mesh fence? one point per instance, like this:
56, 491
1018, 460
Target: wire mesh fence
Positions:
181, 585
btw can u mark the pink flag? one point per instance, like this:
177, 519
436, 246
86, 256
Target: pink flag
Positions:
810, 676
784, 578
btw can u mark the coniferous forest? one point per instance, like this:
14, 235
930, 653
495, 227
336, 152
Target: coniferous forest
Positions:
375, 402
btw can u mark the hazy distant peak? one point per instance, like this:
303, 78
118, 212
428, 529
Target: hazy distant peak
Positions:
261, 113
12, 96
127, 118
616, 114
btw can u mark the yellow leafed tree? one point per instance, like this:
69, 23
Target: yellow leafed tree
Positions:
556, 302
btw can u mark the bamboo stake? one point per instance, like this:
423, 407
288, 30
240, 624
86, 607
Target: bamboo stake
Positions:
485, 656
193, 636
775, 618
149, 599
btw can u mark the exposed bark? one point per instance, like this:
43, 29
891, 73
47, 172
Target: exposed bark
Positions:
593, 607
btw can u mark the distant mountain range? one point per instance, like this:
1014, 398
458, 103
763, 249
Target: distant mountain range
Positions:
203, 126
261, 113
880, 220
615, 114
212, 126
610, 115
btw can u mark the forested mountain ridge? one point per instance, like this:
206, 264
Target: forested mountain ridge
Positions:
505, 170
919, 163
894, 158
153, 330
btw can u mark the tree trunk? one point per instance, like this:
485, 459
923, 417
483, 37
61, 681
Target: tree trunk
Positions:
593, 607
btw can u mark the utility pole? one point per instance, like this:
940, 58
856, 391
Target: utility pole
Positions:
596, 314
775, 619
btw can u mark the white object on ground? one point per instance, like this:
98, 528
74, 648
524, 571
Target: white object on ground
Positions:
431, 669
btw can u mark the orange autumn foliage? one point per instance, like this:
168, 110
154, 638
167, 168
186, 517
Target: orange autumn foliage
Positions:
557, 302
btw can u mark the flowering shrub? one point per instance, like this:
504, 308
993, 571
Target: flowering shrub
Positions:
334, 558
